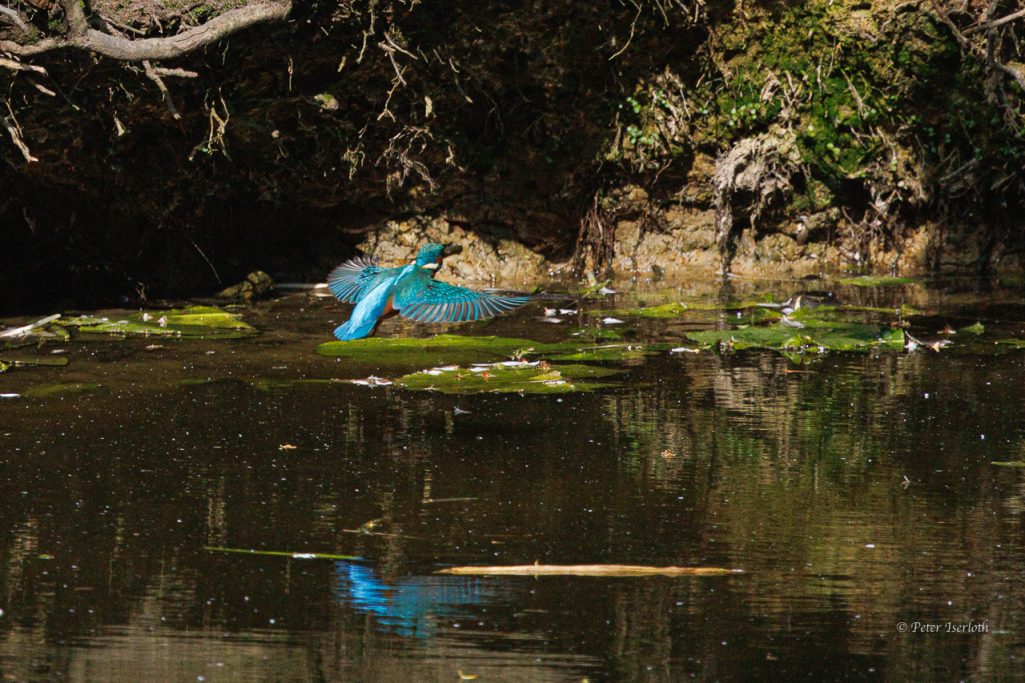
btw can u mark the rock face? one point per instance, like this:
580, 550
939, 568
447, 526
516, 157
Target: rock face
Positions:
501, 262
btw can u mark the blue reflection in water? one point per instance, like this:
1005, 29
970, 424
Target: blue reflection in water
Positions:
411, 605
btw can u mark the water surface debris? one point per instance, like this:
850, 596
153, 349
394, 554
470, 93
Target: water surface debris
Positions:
587, 570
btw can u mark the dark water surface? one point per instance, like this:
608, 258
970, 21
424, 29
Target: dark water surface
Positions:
856, 494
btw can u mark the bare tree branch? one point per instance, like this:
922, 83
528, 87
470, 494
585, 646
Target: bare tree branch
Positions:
14, 130
155, 77
994, 24
177, 73
18, 66
15, 17
82, 37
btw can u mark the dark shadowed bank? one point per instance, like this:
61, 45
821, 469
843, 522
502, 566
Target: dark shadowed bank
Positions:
651, 137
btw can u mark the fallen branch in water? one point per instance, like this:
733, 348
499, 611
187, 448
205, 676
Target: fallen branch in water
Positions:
27, 329
587, 570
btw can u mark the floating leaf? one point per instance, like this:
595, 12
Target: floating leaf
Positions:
597, 334
607, 352
976, 329
1009, 463
39, 361
60, 389
587, 570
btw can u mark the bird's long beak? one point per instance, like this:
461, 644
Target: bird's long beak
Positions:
451, 249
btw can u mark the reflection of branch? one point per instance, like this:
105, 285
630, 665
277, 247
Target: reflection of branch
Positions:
82, 37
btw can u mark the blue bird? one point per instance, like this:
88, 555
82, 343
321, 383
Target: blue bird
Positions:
411, 291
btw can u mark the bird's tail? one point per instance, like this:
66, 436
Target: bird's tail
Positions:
357, 329
342, 331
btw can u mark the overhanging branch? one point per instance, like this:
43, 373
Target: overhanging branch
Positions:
82, 37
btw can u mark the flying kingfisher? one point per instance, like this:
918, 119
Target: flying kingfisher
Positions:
411, 291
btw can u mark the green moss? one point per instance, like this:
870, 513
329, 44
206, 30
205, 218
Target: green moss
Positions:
39, 361
676, 309
606, 353
876, 281
448, 349
596, 334
539, 379
824, 336
196, 321
873, 99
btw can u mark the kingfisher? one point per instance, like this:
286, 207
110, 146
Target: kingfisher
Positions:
411, 291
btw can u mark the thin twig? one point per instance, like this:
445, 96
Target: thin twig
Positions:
155, 77
11, 124
18, 66
633, 26
994, 24
216, 275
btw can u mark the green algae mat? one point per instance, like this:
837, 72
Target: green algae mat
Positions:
446, 349
523, 377
198, 322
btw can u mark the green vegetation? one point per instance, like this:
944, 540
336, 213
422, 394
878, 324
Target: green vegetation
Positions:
821, 338
876, 281
445, 349
60, 389
202, 322
539, 378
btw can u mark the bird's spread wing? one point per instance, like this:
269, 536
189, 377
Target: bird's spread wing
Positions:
427, 300
348, 280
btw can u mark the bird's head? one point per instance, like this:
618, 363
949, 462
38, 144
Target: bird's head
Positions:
432, 253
